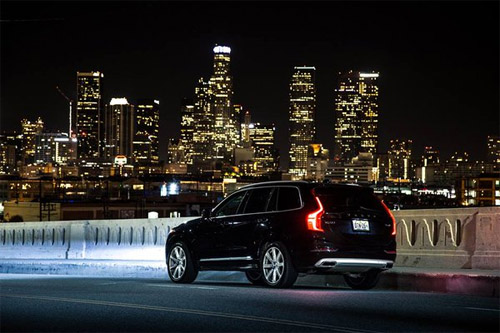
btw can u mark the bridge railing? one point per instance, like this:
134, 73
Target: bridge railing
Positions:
442, 238
132, 239
449, 238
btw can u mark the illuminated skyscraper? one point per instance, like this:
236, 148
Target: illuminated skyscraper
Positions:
302, 114
226, 132
29, 131
203, 123
89, 117
262, 138
356, 115
147, 118
187, 130
120, 129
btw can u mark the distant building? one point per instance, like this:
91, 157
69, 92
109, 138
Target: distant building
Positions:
29, 131
493, 148
360, 170
203, 124
317, 162
400, 153
482, 190
89, 115
226, 132
55, 148
147, 124
11, 152
262, 138
356, 115
120, 129
245, 130
302, 113
187, 130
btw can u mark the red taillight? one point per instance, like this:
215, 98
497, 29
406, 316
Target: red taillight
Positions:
314, 219
393, 233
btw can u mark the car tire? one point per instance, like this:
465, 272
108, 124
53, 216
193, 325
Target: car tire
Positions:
362, 281
180, 265
276, 266
255, 277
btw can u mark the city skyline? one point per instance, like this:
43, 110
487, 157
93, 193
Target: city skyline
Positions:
423, 121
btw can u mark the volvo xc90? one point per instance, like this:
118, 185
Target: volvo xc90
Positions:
274, 231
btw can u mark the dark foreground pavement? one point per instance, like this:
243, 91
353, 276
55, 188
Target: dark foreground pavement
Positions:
69, 303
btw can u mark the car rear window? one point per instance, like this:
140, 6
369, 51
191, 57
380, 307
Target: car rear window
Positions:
334, 199
288, 198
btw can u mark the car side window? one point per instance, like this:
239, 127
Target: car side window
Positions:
288, 198
271, 206
230, 207
257, 202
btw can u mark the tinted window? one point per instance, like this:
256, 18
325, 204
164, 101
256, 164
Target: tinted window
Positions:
257, 202
230, 207
335, 199
271, 206
288, 198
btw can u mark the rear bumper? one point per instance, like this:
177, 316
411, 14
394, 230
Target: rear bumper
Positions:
352, 265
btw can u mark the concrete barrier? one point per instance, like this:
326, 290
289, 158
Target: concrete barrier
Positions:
441, 238
134, 239
449, 238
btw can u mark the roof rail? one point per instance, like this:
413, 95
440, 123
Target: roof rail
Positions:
276, 182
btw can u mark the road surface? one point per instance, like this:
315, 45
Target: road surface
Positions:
66, 303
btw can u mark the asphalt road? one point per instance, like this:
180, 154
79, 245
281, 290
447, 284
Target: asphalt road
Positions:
58, 303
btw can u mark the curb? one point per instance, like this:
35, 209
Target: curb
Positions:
462, 282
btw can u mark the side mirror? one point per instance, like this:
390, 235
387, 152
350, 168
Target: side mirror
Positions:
205, 214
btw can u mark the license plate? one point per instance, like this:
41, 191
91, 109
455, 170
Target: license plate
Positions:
360, 225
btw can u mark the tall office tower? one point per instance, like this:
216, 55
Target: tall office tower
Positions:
262, 138
221, 86
356, 115
400, 159
119, 129
493, 148
204, 121
147, 124
89, 117
302, 114
187, 130
29, 131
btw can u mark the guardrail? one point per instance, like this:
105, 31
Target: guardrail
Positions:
442, 238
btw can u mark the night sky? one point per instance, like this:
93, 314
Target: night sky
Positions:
438, 61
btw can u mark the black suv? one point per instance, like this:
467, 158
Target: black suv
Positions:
275, 230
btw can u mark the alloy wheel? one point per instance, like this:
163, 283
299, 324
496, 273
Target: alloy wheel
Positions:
273, 265
177, 262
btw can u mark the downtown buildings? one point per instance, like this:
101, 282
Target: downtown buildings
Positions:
211, 139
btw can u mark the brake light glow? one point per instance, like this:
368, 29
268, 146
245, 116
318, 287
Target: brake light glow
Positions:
392, 218
314, 219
